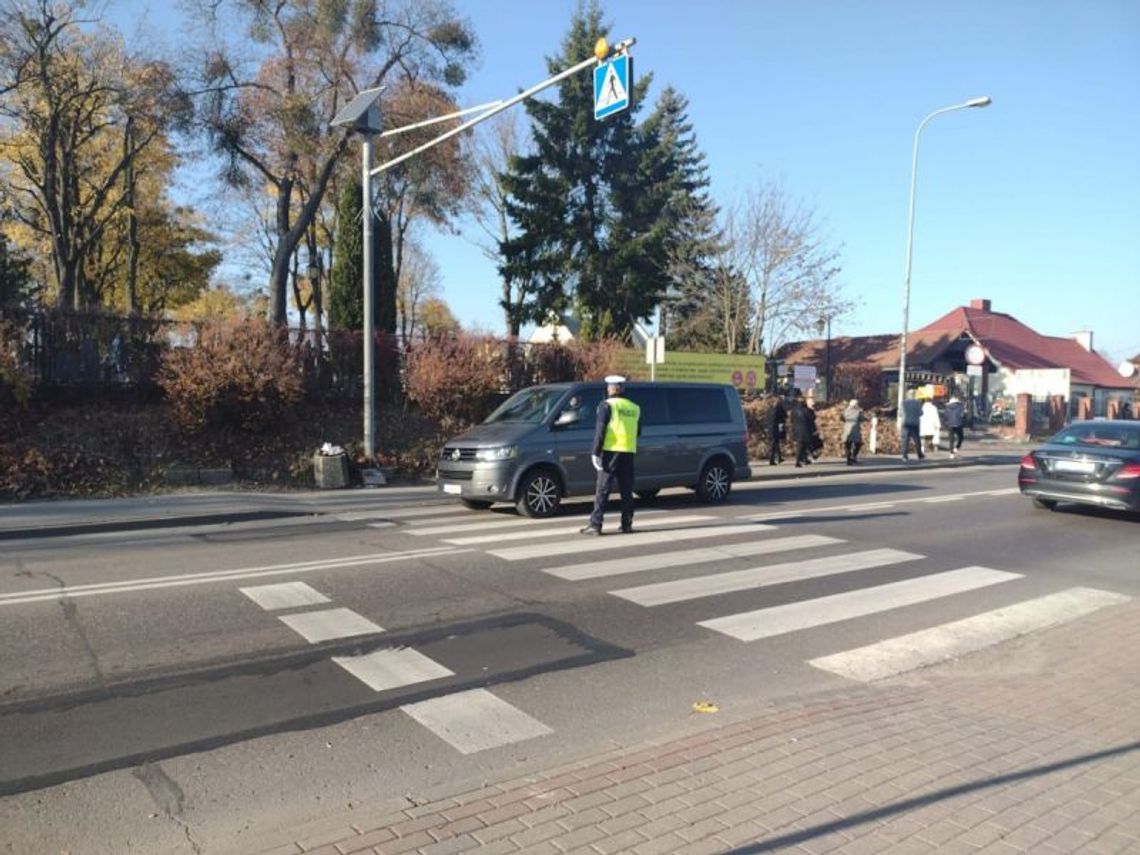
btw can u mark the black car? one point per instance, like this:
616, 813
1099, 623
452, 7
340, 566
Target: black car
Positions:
1090, 463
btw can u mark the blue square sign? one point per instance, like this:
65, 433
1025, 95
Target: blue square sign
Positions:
612, 86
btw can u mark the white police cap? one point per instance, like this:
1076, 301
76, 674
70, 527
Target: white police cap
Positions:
615, 380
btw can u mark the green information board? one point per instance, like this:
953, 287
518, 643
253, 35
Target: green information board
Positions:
742, 370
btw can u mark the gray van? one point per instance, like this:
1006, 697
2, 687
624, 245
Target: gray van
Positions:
535, 448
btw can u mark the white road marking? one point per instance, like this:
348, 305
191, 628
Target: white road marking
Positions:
495, 523
531, 534
400, 513
939, 499
392, 668
800, 512
609, 542
475, 720
327, 624
950, 640
286, 595
777, 620
693, 588
152, 583
634, 564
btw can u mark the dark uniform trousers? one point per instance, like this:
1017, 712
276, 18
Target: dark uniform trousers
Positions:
615, 465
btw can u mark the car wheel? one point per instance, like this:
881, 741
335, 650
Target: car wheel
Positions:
1045, 504
715, 481
648, 494
476, 504
540, 495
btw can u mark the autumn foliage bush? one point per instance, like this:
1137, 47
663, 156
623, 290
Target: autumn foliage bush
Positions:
240, 375
15, 384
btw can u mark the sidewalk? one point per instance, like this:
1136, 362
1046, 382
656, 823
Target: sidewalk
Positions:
46, 518
1031, 746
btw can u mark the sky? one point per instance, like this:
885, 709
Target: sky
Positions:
1032, 202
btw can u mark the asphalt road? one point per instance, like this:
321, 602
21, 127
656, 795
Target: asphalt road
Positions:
201, 688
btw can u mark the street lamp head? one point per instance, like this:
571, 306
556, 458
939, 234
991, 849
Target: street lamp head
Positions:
984, 101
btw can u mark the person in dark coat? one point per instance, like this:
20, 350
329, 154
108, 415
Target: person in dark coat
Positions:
954, 417
911, 419
777, 422
803, 429
852, 431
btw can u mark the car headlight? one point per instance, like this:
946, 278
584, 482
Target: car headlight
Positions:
505, 452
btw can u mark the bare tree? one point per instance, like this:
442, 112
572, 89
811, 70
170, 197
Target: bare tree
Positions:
419, 282
270, 115
791, 270
495, 144
78, 111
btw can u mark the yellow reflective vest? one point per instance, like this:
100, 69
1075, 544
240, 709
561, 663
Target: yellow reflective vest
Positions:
621, 432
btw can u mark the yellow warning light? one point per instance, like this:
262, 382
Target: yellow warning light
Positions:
601, 49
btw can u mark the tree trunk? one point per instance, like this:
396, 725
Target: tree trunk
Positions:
132, 305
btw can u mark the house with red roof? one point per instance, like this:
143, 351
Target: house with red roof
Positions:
990, 356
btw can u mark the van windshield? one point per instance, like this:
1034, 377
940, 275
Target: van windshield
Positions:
530, 406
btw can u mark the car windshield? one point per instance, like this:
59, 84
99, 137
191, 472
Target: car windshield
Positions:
1101, 434
530, 406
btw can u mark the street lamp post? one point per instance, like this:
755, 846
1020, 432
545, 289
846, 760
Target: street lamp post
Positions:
984, 101
823, 322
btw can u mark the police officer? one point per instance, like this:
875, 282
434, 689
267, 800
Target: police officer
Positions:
615, 444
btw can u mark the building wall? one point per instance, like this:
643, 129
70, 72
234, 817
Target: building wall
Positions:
1040, 383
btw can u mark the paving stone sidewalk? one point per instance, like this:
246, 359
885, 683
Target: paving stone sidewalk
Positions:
1031, 746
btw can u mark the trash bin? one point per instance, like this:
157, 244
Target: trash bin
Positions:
330, 471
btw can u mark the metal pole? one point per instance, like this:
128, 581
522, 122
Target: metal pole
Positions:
369, 301
827, 370
619, 48
974, 102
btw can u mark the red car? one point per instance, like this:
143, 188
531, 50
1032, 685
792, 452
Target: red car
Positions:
1089, 463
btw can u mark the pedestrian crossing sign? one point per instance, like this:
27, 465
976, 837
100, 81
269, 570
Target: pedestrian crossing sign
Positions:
612, 82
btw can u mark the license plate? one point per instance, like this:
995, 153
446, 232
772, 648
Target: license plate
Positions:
1081, 466
454, 489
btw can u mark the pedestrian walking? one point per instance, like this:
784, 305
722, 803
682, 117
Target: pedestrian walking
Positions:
852, 431
615, 444
955, 419
777, 425
803, 428
911, 418
929, 426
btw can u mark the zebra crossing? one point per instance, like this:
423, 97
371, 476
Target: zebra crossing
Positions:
788, 558
706, 556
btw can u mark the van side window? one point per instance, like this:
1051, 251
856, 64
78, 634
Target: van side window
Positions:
584, 405
699, 405
654, 405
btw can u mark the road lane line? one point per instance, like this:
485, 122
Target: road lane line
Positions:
634, 564
475, 720
574, 529
286, 595
155, 582
392, 668
805, 614
878, 505
950, 640
698, 587
497, 523
610, 542
404, 513
328, 624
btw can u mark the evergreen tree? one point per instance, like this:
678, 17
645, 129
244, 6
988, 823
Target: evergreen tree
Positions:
16, 284
561, 197
606, 211
346, 298
670, 221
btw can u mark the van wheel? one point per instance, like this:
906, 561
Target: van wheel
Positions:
540, 495
1044, 504
476, 504
715, 482
648, 494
